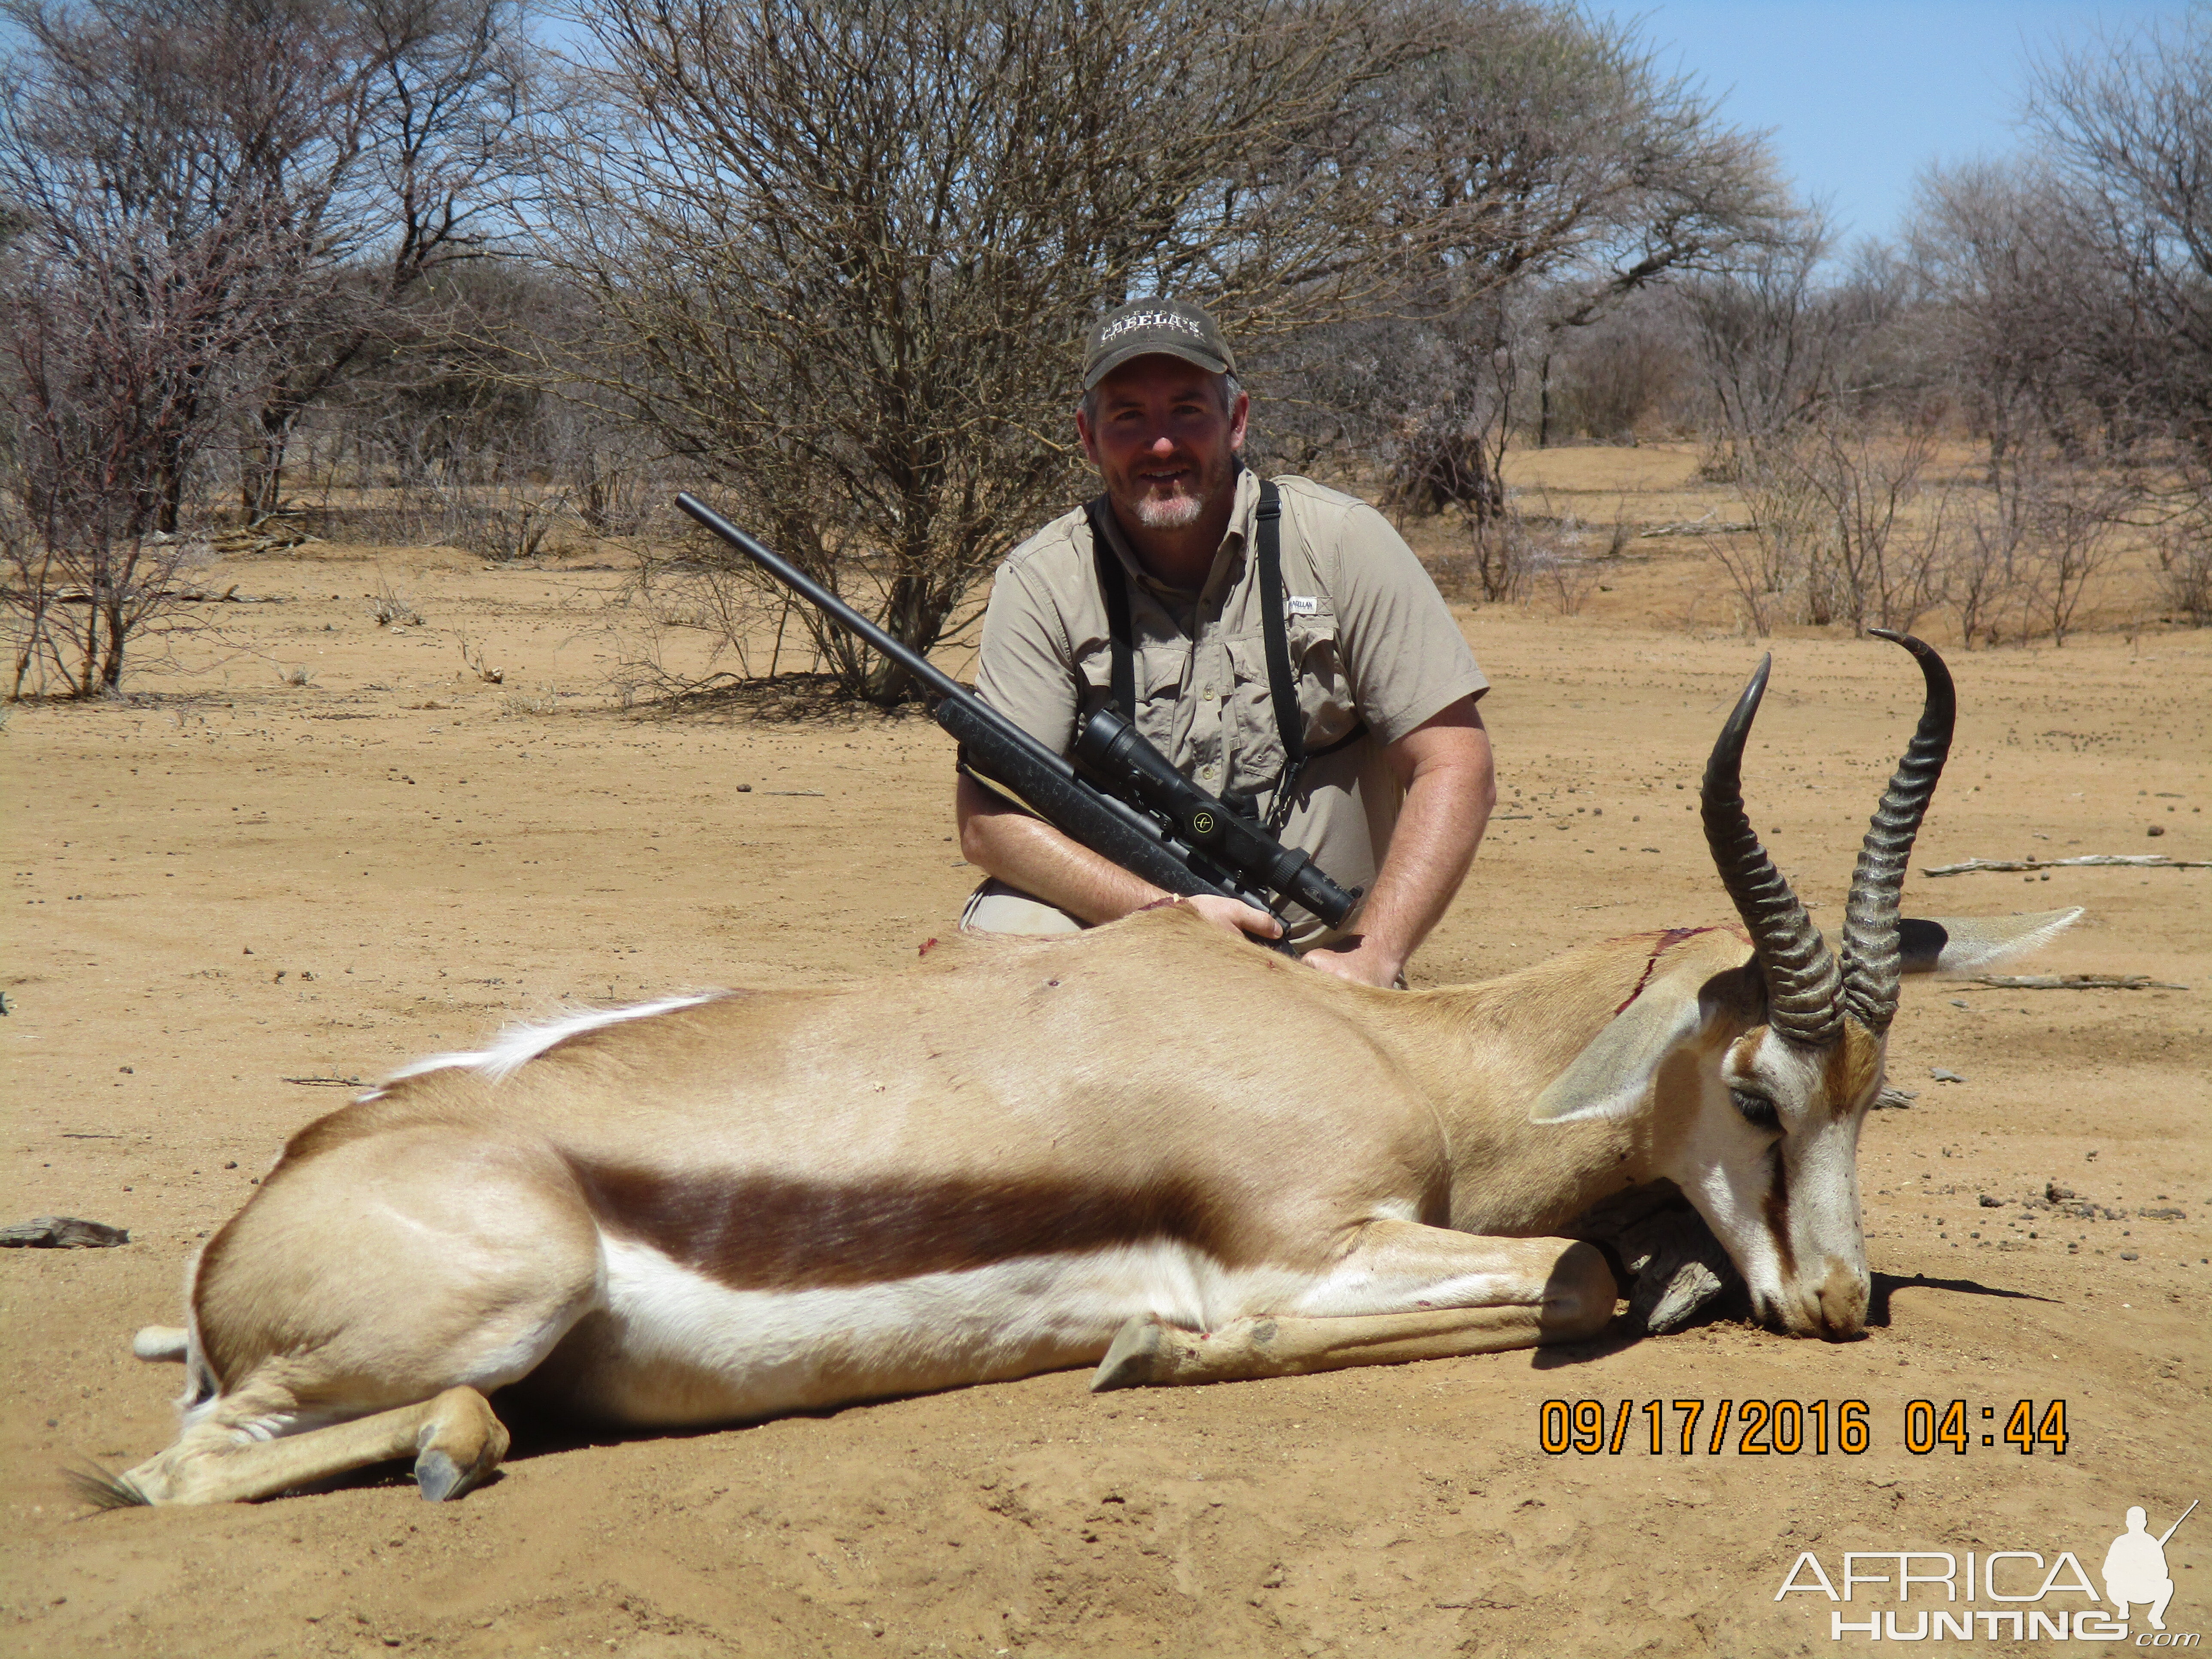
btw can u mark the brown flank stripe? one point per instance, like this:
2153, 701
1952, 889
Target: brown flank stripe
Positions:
755, 1233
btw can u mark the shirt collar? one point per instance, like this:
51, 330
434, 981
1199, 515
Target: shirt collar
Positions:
1227, 557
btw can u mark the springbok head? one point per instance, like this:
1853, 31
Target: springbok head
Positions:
1800, 1083
1758, 1078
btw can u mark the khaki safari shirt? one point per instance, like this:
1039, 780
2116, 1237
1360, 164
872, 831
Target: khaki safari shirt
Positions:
1370, 637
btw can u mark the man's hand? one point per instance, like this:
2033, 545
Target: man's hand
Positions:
1028, 853
1350, 958
1232, 915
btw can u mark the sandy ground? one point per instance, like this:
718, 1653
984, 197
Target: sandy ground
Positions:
230, 894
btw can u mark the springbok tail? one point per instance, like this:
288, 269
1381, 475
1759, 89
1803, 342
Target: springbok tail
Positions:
161, 1344
100, 1489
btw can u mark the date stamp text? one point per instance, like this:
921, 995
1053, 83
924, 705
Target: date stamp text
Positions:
1789, 1428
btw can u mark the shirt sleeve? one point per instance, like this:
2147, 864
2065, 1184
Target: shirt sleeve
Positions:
1025, 667
1404, 654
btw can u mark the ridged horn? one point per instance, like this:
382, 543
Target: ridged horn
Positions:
1802, 977
1871, 965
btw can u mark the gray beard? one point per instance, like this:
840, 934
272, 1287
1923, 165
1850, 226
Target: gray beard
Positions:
1179, 513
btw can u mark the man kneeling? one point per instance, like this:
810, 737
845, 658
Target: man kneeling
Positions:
1369, 755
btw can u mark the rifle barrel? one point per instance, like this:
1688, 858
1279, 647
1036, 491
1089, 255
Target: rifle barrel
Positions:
830, 605
2178, 1519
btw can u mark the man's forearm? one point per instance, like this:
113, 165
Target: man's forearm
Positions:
1439, 827
1027, 853
1450, 788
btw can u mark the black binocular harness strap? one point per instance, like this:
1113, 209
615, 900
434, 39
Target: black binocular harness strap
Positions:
1282, 681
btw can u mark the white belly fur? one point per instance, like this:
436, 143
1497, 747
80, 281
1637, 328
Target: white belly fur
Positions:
670, 1346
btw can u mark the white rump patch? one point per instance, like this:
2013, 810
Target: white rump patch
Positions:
518, 1045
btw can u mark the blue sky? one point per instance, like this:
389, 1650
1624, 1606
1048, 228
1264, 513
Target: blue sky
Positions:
1861, 94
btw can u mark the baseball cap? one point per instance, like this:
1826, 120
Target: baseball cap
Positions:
1145, 326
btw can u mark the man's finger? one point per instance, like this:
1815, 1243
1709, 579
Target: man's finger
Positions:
1235, 914
1259, 921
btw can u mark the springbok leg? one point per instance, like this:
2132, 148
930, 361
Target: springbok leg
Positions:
1523, 1292
454, 1439
412, 1266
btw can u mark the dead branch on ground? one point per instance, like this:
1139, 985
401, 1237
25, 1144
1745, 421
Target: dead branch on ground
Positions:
2077, 982
2127, 860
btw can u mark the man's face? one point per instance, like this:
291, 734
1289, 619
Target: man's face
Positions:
1165, 445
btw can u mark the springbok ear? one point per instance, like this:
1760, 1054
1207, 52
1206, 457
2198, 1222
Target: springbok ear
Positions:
1955, 944
1608, 1078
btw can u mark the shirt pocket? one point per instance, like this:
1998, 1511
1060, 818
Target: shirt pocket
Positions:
1324, 696
1158, 672
1324, 685
1163, 680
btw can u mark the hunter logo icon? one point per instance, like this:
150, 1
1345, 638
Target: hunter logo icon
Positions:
2135, 1567
2024, 1595
1202, 824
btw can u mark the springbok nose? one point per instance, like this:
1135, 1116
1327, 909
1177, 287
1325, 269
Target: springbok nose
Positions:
1843, 1302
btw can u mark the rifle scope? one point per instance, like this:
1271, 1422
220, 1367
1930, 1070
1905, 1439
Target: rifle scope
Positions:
1111, 747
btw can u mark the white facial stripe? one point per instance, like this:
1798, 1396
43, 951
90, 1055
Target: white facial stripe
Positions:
518, 1045
1725, 1168
1728, 1170
1731, 1196
1824, 1201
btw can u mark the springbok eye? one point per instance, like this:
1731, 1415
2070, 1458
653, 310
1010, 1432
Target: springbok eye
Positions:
1757, 1110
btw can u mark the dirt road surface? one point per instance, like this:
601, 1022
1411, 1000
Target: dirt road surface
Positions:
233, 894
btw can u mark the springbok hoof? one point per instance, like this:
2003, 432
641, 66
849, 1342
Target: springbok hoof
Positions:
1134, 1361
460, 1444
440, 1477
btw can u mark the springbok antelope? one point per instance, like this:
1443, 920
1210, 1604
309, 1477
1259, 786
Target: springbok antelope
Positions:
1151, 1144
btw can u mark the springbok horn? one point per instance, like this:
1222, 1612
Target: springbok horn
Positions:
1801, 978
1870, 948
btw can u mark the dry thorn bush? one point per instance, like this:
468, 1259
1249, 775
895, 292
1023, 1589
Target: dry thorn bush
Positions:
392, 608
473, 657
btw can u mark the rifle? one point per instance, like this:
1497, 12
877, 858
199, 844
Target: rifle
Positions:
1132, 807
2176, 1526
